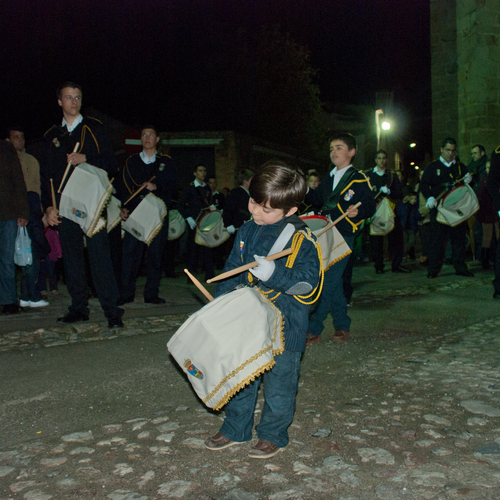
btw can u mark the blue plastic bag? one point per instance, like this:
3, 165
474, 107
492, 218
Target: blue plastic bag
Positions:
22, 254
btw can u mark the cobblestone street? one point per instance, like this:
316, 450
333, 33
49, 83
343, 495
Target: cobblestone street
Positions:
409, 408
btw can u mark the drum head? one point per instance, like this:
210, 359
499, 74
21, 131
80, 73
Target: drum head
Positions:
454, 196
209, 221
315, 222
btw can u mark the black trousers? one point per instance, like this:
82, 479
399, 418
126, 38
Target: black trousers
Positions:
395, 240
192, 256
132, 252
72, 244
439, 234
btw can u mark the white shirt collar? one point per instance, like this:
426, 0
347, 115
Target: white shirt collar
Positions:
75, 123
337, 175
197, 184
247, 191
146, 159
378, 172
444, 163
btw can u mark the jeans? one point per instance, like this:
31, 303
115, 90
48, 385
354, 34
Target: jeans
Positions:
280, 390
332, 299
29, 281
8, 233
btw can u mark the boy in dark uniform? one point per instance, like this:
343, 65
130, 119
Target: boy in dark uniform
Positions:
95, 149
138, 171
337, 194
290, 283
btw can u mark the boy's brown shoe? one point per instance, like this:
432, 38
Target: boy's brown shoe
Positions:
263, 449
312, 339
341, 335
219, 442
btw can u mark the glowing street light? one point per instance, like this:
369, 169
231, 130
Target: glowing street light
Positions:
386, 125
413, 144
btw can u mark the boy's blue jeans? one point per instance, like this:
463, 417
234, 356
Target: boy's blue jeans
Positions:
280, 390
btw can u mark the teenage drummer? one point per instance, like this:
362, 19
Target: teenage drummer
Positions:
94, 147
440, 177
197, 200
155, 173
290, 283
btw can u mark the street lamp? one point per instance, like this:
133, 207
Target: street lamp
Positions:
386, 125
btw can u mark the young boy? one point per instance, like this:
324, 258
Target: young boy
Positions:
275, 193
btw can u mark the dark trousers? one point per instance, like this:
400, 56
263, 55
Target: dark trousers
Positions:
132, 252
29, 281
496, 280
395, 240
192, 256
72, 245
439, 234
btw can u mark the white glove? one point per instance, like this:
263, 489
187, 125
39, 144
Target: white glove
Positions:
385, 190
191, 222
431, 202
499, 213
264, 270
213, 207
467, 178
231, 229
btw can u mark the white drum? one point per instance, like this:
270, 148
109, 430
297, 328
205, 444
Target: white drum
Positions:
457, 206
333, 245
210, 231
382, 222
113, 209
176, 225
85, 196
228, 343
145, 222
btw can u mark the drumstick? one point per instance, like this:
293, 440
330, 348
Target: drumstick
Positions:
329, 226
201, 288
447, 191
246, 267
53, 195
139, 190
77, 145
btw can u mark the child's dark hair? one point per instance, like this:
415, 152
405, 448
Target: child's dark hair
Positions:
349, 139
281, 185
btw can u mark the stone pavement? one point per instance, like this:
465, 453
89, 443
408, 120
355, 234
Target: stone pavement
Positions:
408, 409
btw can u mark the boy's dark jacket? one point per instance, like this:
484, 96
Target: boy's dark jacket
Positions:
253, 239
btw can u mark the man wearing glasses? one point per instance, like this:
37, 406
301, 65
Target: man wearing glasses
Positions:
440, 176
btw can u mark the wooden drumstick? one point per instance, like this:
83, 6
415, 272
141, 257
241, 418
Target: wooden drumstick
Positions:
201, 288
138, 191
77, 145
329, 226
246, 267
53, 195
447, 191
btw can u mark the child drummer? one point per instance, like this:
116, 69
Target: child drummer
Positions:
291, 284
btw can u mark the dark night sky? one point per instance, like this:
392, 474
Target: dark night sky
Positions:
158, 60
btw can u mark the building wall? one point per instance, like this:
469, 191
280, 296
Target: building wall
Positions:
465, 49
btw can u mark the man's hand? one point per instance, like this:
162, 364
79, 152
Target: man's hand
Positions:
352, 211
149, 186
431, 202
22, 222
191, 222
53, 218
124, 213
76, 158
467, 178
385, 190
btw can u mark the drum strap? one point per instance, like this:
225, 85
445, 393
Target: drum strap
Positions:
332, 199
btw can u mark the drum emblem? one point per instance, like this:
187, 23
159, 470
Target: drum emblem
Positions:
192, 369
459, 212
349, 195
134, 230
79, 213
162, 167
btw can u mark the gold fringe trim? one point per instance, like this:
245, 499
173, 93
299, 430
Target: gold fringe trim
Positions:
448, 224
98, 215
338, 258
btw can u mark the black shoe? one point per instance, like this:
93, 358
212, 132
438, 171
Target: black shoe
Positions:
379, 271
115, 323
401, 269
432, 275
125, 301
467, 274
72, 317
11, 309
155, 300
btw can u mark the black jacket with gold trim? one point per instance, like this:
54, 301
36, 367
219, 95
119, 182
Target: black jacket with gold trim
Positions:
493, 182
352, 188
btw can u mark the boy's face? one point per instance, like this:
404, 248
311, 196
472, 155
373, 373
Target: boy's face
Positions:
412, 200
264, 215
149, 139
200, 173
381, 161
70, 102
313, 181
340, 154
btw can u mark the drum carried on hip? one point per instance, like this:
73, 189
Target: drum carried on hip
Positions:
145, 222
176, 225
84, 197
333, 245
382, 222
210, 231
457, 206
113, 209
228, 343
